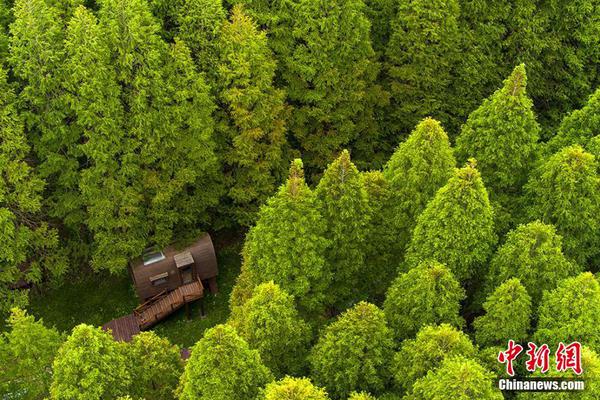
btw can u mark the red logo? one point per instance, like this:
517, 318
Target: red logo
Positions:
567, 357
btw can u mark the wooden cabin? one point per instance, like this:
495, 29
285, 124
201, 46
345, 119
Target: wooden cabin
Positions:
159, 271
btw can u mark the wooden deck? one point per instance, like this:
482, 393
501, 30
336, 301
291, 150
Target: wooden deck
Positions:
154, 310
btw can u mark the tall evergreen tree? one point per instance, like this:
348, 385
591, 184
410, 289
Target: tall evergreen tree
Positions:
417, 169
200, 24
422, 56
508, 315
353, 353
27, 350
252, 115
155, 366
223, 367
330, 72
533, 254
502, 135
571, 312
269, 322
288, 243
344, 206
89, 365
563, 191
456, 228
432, 345
290, 388
427, 294
457, 378
28, 246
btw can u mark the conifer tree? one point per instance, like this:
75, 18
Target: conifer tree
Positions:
421, 57
27, 350
344, 206
155, 366
457, 378
290, 388
269, 322
571, 312
502, 135
563, 191
200, 24
36, 57
380, 15
252, 117
579, 127
456, 228
353, 353
432, 345
427, 294
381, 237
5, 20
89, 365
288, 243
417, 169
533, 254
223, 367
360, 396
329, 72
508, 315
28, 246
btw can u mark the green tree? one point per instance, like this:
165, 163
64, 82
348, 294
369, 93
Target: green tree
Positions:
200, 24
90, 365
223, 367
27, 350
427, 351
421, 58
507, 315
269, 322
457, 378
329, 72
28, 246
345, 207
563, 191
417, 169
533, 254
579, 127
571, 312
288, 243
353, 353
290, 388
456, 228
5, 20
360, 396
252, 117
155, 366
427, 294
502, 135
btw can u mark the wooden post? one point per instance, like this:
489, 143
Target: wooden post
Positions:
187, 310
202, 313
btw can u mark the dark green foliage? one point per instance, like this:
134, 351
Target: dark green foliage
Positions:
417, 169
571, 312
564, 191
427, 294
155, 366
252, 117
5, 20
533, 254
27, 350
288, 243
353, 353
456, 228
502, 135
422, 56
90, 365
269, 322
457, 378
293, 389
344, 205
427, 351
222, 353
507, 315
28, 246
